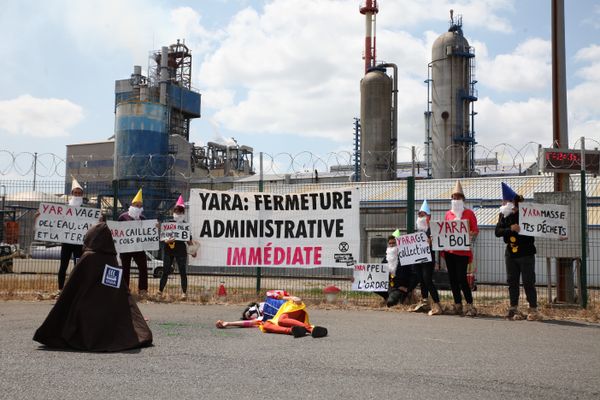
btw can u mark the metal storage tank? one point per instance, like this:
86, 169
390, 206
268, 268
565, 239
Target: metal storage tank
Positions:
377, 155
452, 96
142, 151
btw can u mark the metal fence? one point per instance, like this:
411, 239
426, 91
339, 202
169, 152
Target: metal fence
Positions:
30, 267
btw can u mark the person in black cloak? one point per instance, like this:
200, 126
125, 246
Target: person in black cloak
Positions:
95, 311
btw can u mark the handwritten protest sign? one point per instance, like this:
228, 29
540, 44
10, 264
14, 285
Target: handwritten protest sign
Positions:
370, 278
544, 220
176, 230
413, 248
130, 236
450, 235
60, 223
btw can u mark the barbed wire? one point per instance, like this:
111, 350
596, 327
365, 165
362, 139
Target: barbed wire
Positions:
502, 158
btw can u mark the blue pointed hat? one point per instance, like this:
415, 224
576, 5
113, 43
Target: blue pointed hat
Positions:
507, 193
425, 208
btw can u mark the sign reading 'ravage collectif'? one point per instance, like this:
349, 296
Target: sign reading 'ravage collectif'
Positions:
312, 229
130, 236
544, 220
450, 235
60, 223
370, 278
413, 248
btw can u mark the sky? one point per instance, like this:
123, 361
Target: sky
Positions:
283, 76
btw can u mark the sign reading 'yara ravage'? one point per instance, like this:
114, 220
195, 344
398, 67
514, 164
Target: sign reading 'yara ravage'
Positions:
311, 229
60, 223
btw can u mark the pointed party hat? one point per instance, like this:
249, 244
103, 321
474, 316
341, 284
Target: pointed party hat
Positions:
138, 197
180, 202
75, 185
458, 188
507, 193
396, 233
425, 208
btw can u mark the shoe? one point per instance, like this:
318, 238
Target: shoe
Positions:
457, 309
318, 331
160, 295
299, 331
56, 294
183, 297
471, 311
143, 294
422, 306
435, 309
510, 313
534, 314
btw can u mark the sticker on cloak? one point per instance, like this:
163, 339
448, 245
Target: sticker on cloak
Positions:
413, 248
544, 220
112, 276
370, 278
176, 230
450, 235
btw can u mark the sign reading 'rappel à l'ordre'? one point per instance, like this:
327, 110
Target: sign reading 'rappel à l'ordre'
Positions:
311, 229
61, 223
370, 278
544, 220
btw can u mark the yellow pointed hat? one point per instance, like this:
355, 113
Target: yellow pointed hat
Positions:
138, 197
458, 188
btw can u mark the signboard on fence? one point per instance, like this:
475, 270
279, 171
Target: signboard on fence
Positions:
138, 235
60, 223
544, 220
450, 235
300, 230
413, 248
370, 278
176, 230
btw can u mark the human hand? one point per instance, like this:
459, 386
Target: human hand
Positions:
169, 240
515, 228
221, 324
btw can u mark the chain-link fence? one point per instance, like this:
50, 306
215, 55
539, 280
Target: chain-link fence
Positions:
30, 267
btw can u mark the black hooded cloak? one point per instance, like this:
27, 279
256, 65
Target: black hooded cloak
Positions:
90, 315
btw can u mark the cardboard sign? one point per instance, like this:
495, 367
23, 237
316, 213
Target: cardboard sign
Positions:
370, 278
112, 276
130, 236
413, 248
175, 230
544, 220
60, 223
450, 235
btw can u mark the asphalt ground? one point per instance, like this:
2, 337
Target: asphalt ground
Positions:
368, 354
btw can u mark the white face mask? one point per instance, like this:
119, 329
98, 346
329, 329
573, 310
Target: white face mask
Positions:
135, 212
178, 217
391, 255
422, 224
76, 201
457, 207
507, 209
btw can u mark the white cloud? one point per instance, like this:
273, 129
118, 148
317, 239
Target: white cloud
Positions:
528, 68
43, 118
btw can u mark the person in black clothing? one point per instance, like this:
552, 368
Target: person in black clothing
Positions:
175, 250
425, 270
519, 255
403, 279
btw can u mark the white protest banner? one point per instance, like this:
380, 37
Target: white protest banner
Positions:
138, 235
413, 248
248, 229
370, 278
176, 230
60, 223
450, 235
544, 220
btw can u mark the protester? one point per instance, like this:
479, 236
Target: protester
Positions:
175, 250
519, 255
402, 279
291, 317
457, 261
94, 313
133, 214
69, 250
425, 270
